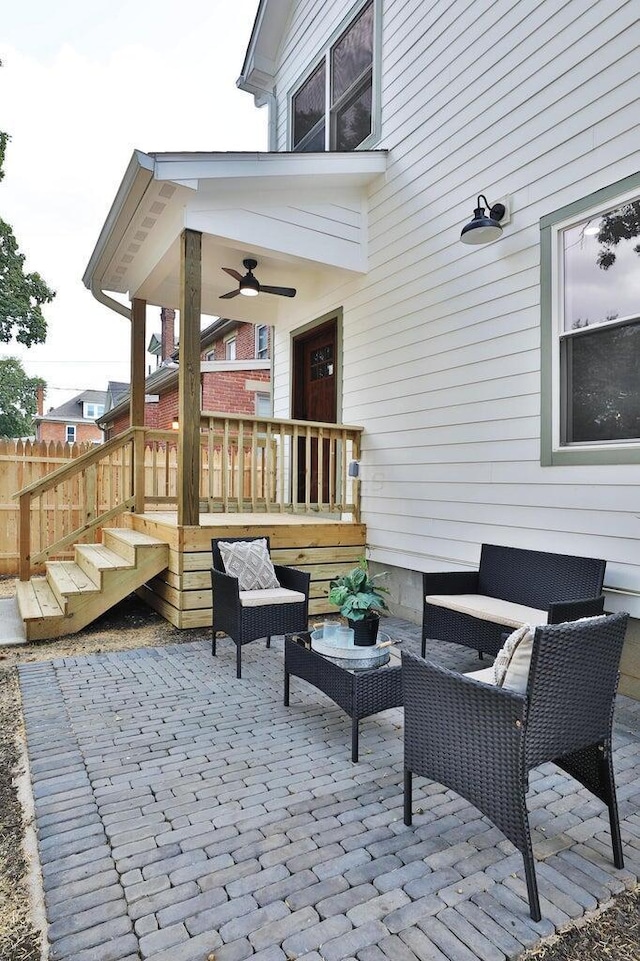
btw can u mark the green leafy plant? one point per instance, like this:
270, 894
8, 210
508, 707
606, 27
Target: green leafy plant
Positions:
357, 595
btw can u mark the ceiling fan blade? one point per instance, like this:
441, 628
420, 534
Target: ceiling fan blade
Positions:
281, 291
232, 273
232, 293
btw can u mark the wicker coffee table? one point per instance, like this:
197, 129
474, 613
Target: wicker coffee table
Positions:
360, 693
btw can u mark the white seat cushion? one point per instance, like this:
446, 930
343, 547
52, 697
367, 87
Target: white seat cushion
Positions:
274, 595
489, 609
486, 675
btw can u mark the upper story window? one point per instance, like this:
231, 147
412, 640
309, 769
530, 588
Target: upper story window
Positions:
230, 349
591, 260
70, 434
334, 108
262, 341
92, 411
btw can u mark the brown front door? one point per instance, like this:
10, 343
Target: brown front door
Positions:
315, 398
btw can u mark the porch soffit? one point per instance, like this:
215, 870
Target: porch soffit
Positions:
301, 216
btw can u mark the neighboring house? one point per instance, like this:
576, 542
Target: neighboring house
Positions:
235, 375
74, 422
496, 383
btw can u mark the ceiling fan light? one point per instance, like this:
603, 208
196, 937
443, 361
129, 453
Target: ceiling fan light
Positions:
249, 286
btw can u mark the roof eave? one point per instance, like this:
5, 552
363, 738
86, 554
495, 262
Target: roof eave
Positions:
259, 67
137, 177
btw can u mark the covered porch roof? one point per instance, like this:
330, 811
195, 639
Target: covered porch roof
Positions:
303, 217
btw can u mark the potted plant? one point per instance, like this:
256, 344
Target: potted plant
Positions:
361, 601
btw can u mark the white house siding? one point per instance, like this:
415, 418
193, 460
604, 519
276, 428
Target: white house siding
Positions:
441, 340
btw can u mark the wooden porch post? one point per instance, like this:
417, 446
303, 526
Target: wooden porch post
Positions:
189, 379
136, 397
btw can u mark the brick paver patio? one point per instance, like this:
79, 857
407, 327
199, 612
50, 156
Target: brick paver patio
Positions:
181, 812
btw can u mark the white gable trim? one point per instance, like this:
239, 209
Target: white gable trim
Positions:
259, 68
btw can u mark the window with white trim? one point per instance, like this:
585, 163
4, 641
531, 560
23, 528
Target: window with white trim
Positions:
334, 109
263, 405
93, 411
230, 348
592, 262
262, 342
70, 433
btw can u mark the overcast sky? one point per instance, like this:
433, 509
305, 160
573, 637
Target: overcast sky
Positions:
83, 84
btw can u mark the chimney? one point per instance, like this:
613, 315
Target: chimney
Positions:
167, 320
40, 399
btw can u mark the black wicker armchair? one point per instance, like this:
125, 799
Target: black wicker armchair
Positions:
482, 740
511, 587
245, 618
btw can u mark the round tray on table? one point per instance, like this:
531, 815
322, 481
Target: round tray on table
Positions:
350, 656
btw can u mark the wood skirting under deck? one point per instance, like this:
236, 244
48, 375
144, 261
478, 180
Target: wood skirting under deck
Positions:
324, 547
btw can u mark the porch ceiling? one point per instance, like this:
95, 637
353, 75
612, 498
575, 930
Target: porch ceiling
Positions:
303, 217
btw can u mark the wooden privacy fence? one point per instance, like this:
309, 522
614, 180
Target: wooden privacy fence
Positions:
52, 500
23, 463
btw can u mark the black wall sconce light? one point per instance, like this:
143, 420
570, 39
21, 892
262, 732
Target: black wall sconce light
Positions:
484, 227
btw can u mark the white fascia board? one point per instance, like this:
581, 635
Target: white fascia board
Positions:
259, 67
357, 166
137, 177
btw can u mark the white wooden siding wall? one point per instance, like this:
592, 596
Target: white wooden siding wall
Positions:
442, 340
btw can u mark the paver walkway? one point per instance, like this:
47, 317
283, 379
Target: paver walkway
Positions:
181, 812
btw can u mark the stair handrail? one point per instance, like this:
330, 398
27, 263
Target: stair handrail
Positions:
132, 435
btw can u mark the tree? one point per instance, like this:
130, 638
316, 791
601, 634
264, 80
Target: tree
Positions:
21, 295
18, 398
620, 224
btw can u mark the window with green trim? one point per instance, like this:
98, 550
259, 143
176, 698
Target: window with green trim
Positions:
593, 328
333, 109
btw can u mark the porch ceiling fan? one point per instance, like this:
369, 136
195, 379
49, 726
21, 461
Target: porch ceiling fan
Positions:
249, 286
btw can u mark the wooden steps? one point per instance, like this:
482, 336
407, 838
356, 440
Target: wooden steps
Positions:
74, 593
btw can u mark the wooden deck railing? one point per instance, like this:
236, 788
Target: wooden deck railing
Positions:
73, 501
248, 465
275, 465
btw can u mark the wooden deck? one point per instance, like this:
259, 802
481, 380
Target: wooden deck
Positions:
323, 546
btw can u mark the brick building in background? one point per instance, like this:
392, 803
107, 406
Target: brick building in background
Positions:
235, 375
74, 422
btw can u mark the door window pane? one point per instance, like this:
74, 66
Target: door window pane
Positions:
321, 362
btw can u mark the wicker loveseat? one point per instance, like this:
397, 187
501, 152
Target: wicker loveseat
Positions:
512, 587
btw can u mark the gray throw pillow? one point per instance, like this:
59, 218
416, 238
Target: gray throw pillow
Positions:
249, 561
